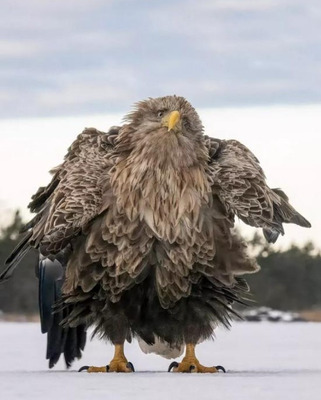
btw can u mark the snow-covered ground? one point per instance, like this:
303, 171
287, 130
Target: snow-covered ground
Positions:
263, 361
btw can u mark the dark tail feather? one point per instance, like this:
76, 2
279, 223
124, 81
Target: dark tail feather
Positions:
15, 257
61, 339
75, 343
55, 337
64, 340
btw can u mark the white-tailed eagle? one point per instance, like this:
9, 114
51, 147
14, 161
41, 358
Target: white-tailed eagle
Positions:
141, 220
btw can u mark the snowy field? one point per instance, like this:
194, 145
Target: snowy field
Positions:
263, 361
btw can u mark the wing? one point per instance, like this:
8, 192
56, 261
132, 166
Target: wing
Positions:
72, 198
239, 182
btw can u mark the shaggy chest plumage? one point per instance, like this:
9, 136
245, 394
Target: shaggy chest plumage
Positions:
157, 217
163, 185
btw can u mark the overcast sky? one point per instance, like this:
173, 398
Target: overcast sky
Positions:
76, 57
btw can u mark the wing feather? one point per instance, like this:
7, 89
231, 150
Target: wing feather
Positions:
239, 181
73, 197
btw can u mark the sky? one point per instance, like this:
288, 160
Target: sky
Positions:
81, 57
251, 68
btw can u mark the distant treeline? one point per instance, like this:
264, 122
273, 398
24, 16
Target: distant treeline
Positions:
20, 293
288, 280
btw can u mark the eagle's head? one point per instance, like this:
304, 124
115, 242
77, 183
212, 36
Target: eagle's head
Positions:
164, 128
169, 114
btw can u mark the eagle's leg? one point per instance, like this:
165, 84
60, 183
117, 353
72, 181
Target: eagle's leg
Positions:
191, 364
119, 363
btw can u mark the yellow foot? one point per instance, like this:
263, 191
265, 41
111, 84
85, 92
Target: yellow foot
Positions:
121, 365
118, 364
193, 365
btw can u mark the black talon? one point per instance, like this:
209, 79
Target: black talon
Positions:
174, 364
220, 368
107, 368
130, 365
84, 368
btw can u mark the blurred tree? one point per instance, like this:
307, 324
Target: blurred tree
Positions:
289, 279
19, 294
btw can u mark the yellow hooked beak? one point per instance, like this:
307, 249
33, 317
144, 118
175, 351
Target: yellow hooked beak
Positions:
171, 120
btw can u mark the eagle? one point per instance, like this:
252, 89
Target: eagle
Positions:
136, 236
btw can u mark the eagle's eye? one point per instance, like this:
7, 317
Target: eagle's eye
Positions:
160, 113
